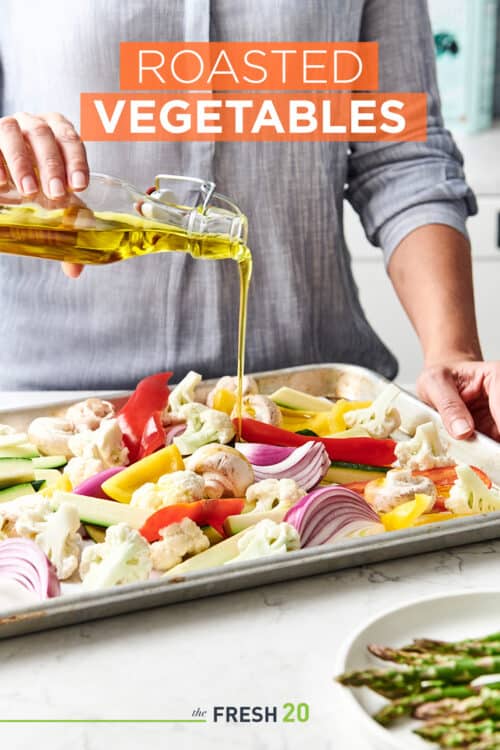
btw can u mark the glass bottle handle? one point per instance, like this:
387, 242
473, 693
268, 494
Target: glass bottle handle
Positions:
203, 193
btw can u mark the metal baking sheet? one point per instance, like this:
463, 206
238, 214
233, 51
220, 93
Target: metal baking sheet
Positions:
337, 381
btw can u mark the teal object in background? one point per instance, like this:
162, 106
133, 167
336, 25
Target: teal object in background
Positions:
465, 38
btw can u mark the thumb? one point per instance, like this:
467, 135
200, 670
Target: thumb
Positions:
437, 386
72, 270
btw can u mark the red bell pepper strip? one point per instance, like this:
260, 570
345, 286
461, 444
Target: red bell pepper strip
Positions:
140, 418
444, 478
362, 450
358, 487
154, 435
203, 512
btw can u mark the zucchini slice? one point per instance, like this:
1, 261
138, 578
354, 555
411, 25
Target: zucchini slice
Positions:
341, 472
18, 490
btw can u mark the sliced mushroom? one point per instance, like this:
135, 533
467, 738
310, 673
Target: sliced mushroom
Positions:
225, 471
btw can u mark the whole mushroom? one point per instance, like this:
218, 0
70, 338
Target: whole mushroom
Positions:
88, 414
225, 471
51, 435
261, 408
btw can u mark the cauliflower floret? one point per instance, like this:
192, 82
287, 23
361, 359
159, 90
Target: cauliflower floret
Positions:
176, 487
381, 418
7, 523
267, 538
424, 451
178, 541
184, 392
274, 493
10, 512
469, 494
203, 426
261, 408
6, 528
55, 532
230, 383
79, 469
124, 557
399, 486
105, 444
88, 414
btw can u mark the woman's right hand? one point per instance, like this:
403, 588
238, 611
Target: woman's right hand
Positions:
43, 152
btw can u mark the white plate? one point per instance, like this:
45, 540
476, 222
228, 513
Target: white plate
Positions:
454, 617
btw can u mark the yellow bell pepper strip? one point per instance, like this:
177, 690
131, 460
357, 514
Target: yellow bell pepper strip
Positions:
224, 400
296, 421
92, 487
149, 469
63, 483
322, 423
403, 516
337, 421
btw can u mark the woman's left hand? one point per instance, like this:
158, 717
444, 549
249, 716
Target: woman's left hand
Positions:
466, 394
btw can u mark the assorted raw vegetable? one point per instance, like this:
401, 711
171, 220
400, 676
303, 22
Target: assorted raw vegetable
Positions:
140, 420
307, 465
433, 681
363, 450
24, 564
203, 512
329, 514
149, 469
165, 486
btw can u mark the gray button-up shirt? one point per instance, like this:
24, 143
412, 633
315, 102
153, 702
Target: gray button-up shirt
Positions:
119, 323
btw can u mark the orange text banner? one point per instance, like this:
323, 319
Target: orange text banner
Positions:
237, 66
255, 117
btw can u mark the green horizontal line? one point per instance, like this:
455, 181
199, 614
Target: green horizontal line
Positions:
103, 721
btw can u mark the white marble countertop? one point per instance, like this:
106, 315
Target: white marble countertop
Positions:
264, 646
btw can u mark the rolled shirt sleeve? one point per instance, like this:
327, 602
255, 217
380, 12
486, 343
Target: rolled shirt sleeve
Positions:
398, 187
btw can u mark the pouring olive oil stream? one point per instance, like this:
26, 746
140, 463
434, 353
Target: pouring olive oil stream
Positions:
112, 221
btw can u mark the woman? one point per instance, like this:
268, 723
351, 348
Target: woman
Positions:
119, 323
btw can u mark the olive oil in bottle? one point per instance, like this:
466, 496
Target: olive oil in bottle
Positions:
112, 221
74, 237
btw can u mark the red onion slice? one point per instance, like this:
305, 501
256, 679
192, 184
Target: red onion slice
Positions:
259, 454
174, 431
92, 487
21, 560
307, 464
329, 514
14, 594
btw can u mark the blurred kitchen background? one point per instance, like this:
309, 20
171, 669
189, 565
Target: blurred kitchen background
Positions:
467, 39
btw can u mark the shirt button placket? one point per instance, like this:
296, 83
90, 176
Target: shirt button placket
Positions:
199, 156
